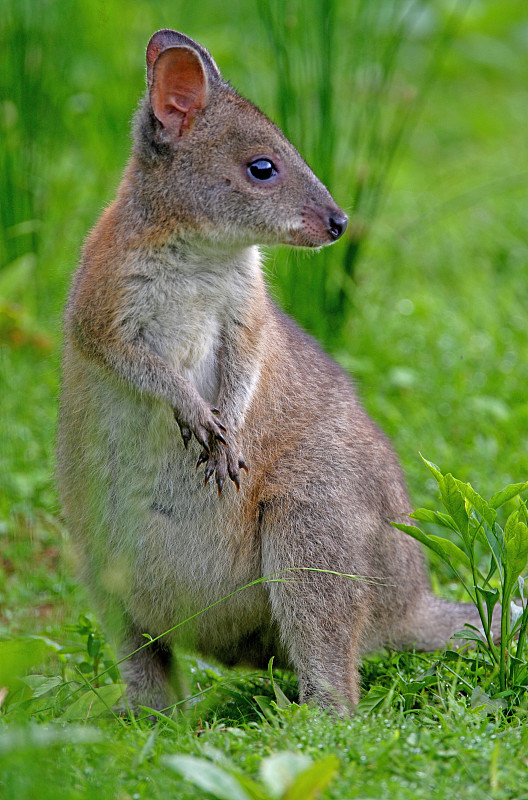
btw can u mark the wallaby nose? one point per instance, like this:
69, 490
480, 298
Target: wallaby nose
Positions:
337, 225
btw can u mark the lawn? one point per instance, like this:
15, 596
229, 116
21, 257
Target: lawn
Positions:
417, 122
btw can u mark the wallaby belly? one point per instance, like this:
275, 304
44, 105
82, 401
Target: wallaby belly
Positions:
150, 536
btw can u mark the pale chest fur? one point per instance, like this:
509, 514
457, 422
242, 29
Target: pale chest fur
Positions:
154, 531
185, 305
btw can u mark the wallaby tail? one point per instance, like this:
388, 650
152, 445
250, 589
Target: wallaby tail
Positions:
431, 623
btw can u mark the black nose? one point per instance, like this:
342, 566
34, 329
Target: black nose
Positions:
337, 225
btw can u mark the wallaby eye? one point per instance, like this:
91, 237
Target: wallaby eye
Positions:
262, 169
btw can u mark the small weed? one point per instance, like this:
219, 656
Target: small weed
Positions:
474, 521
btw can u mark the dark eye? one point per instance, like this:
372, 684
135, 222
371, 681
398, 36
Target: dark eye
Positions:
262, 169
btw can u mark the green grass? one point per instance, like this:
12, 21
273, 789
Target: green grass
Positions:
432, 325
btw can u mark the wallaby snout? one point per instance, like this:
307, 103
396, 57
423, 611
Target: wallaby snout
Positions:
337, 225
319, 226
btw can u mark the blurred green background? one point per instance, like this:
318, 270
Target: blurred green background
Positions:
414, 114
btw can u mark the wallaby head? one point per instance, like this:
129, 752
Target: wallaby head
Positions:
213, 164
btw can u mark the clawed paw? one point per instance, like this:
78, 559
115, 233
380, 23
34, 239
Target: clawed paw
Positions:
221, 463
205, 425
217, 454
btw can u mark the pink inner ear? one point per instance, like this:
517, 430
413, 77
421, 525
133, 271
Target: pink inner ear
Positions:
160, 41
179, 86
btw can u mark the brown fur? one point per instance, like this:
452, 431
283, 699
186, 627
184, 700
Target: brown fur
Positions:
169, 318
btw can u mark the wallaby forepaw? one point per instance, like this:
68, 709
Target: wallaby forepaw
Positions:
222, 462
206, 427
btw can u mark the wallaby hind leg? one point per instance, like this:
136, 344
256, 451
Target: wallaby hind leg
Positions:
319, 616
149, 674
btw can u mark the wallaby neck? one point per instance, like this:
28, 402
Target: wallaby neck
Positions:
147, 228
196, 255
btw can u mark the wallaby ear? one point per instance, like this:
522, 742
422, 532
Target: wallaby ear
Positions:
179, 88
165, 38
179, 74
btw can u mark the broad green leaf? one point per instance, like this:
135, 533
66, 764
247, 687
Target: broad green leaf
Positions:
280, 698
444, 548
456, 655
491, 598
434, 469
508, 493
470, 635
310, 783
488, 514
94, 702
93, 645
17, 656
450, 550
495, 539
265, 704
516, 535
253, 789
208, 777
279, 771
434, 517
41, 684
453, 500
523, 511
414, 687
377, 696
516, 613
509, 528
479, 699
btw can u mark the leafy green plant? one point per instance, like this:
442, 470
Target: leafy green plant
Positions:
277, 710
283, 776
78, 693
475, 524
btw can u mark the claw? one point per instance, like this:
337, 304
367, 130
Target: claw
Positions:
215, 411
222, 427
203, 440
221, 439
208, 472
202, 458
242, 464
220, 484
233, 474
186, 432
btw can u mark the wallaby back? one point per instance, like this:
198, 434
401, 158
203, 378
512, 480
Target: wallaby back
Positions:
175, 354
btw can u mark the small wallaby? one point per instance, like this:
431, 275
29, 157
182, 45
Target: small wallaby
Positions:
175, 357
